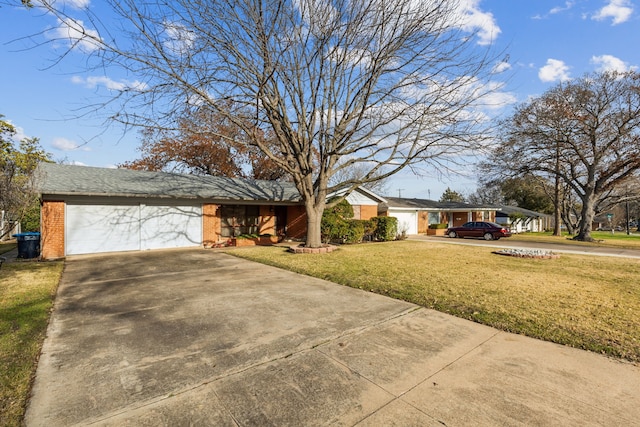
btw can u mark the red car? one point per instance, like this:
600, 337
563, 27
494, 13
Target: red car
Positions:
484, 229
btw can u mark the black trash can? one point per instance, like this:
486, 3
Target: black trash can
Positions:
28, 244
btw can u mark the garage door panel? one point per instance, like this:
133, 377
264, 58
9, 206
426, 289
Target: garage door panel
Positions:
170, 226
407, 221
102, 228
114, 228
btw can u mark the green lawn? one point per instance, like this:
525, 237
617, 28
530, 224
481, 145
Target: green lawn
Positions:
26, 296
585, 302
619, 239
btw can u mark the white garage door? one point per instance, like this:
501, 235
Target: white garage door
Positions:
406, 221
170, 226
110, 228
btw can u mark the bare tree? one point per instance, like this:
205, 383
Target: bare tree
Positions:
377, 85
586, 133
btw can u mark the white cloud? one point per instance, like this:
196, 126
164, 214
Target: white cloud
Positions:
473, 19
94, 81
179, 39
554, 71
77, 4
497, 100
567, 5
619, 10
501, 67
19, 135
64, 144
611, 63
77, 35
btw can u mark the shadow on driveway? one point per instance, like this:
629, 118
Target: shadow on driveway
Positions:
194, 337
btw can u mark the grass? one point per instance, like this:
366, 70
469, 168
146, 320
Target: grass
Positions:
604, 239
26, 297
585, 302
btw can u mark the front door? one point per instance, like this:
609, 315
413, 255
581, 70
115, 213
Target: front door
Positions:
460, 218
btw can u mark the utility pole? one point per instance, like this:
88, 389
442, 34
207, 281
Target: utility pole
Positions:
400, 193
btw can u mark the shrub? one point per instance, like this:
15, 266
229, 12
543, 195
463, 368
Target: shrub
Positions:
354, 231
386, 228
369, 229
440, 226
31, 219
334, 225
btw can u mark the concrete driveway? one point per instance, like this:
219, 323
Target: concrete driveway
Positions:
196, 337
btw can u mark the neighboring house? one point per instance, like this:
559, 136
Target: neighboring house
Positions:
415, 215
521, 220
364, 203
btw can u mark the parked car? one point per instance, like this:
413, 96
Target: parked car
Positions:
480, 229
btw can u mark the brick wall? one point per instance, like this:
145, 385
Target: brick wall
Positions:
423, 222
211, 228
267, 221
52, 229
296, 222
368, 212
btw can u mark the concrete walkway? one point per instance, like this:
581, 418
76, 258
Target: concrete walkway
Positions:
196, 337
555, 247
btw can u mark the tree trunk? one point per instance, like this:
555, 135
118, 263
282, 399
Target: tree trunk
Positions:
314, 220
588, 213
557, 230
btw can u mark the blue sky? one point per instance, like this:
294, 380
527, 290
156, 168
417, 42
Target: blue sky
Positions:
547, 41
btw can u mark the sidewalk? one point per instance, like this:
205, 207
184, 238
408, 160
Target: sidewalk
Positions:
555, 247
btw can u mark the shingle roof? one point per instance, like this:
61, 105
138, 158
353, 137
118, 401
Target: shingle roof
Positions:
55, 179
425, 204
508, 210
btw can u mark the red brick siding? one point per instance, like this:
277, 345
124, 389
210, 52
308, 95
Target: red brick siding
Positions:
52, 229
296, 222
210, 224
267, 220
368, 212
423, 222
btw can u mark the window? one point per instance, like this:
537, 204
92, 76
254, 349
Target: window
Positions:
239, 219
434, 218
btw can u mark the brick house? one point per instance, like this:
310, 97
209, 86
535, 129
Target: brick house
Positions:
415, 215
92, 210
88, 210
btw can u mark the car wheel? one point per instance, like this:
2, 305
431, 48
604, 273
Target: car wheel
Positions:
488, 236
453, 234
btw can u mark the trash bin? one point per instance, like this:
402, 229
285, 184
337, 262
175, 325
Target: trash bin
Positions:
28, 244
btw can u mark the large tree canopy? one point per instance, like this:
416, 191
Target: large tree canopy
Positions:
18, 162
585, 132
205, 143
378, 85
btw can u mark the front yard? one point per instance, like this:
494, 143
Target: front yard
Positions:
586, 302
582, 301
606, 239
26, 294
